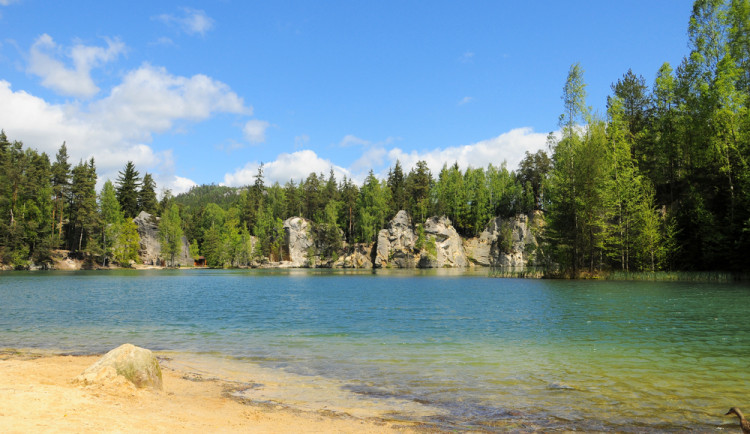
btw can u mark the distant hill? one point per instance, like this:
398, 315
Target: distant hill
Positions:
202, 195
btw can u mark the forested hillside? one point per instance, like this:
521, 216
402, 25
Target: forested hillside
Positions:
659, 181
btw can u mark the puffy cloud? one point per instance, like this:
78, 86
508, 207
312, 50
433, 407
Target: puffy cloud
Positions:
119, 126
509, 147
150, 100
74, 81
297, 165
255, 131
190, 21
371, 158
176, 184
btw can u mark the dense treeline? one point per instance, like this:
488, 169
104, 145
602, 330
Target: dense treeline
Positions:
663, 181
660, 181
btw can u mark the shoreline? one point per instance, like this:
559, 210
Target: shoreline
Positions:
37, 393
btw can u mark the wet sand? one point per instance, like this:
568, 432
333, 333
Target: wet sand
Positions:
37, 394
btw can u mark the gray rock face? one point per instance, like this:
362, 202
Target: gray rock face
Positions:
395, 246
137, 365
449, 248
150, 253
298, 241
355, 256
504, 243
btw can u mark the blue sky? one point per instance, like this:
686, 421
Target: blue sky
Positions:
204, 92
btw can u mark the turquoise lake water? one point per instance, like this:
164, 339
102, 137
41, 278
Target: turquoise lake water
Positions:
460, 351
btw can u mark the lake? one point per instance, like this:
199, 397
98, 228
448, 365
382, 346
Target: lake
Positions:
458, 350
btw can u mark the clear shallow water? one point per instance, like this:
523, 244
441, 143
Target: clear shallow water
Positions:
472, 351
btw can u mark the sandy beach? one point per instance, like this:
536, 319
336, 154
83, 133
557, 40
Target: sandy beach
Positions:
38, 394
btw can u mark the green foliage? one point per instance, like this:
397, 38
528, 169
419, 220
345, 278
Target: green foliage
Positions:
431, 247
147, 195
195, 251
662, 183
170, 233
128, 183
127, 242
419, 244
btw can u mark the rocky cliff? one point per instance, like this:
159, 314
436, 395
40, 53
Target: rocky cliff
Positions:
448, 247
298, 242
506, 243
150, 252
395, 247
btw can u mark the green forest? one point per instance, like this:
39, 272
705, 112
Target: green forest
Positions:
658, 182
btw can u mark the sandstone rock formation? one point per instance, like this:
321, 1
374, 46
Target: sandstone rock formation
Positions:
137, 365
355, 256
298, 241
150, 252
395, 246
504, 243
449, 250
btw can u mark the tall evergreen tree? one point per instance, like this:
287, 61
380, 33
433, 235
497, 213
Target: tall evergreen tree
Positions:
84, 215
418, 185
147, 195
128, 183
396, 183
60, 190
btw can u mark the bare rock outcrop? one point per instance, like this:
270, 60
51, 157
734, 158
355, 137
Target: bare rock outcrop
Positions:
150, 252
135, 364
504, 243
395, 247
355, 256
448, 247
298, 241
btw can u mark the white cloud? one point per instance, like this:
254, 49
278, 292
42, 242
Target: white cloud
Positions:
76, 81
372, 158
176, 184
7, 2
118, 127
150, 100
297, 166
255, 131
508, 147
190, 21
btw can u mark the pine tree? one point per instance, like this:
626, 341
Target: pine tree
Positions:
396, 184
147, 195
60, 190
128, 183
84, 215
111, 218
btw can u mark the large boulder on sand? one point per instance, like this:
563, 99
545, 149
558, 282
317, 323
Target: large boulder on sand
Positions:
137, 365
396, 243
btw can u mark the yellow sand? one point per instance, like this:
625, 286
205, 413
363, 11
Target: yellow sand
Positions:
37, 394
